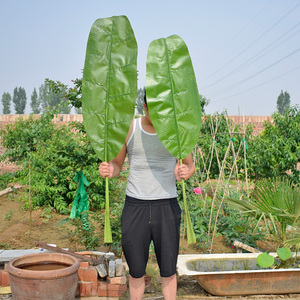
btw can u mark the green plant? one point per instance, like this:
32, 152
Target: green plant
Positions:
217, 132
285, 259
9, 215
5, 179
54, 153
276, 151
46, 213
84, 231
276, 202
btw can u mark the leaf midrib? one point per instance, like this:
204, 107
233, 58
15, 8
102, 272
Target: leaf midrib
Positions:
172, 93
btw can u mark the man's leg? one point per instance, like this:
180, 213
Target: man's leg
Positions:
169, 287
136, 288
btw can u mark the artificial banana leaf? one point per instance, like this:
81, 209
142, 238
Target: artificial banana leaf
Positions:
109, 89
173, 101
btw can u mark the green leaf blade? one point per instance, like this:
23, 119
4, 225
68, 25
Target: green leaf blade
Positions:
109, 85
265, 260
172, 95
173, 102
284, 253
109, 90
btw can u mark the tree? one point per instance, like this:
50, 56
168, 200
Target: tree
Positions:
140, 100
50, 99
203, 102
71, 94
19, 100
276, 151
283, 101
6, 100
35, 103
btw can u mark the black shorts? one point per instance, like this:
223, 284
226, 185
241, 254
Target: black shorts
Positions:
144, 221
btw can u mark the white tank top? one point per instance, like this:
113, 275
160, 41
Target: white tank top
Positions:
151, 166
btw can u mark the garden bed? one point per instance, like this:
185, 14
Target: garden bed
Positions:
14, 234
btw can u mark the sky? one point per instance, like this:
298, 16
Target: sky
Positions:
244, 52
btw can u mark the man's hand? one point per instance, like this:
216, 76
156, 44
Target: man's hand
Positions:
186, 169
106, 169
181, 171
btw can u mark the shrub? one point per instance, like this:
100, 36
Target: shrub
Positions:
276, 152
50, 156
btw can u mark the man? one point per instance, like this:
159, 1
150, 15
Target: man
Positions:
151, 210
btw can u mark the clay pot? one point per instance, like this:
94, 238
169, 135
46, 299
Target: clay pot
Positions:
43, 276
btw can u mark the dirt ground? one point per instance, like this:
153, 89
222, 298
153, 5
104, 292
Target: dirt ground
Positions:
17, 233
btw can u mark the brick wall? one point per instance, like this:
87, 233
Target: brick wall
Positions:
258, 121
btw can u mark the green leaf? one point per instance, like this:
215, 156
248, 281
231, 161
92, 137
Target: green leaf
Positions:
109, 89
173, 102
284, 253
109, 85
172, 95
265, 260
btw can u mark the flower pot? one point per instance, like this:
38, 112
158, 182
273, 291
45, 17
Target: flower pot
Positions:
43, 276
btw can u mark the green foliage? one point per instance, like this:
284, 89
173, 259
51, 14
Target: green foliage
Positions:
203, 102
5, 179
35, 102
276, 202
9, 215
108, 98
84, 232
88, 231
283, 102
19, 100
50, 99
173, 101
22, 137
276, 152
285, 259
71, 94
54, 154
6, 101
265, 260
140, 100
230, 224
115, 222
214, 142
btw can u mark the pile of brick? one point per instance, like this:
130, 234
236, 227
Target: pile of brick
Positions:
103, 280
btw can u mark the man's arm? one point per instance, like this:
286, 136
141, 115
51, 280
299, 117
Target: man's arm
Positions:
114, 167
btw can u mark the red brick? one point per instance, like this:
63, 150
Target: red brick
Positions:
86, 289
102, 293
84, 264
116, 280
88, 274
5, 278
94, 289
105, 286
